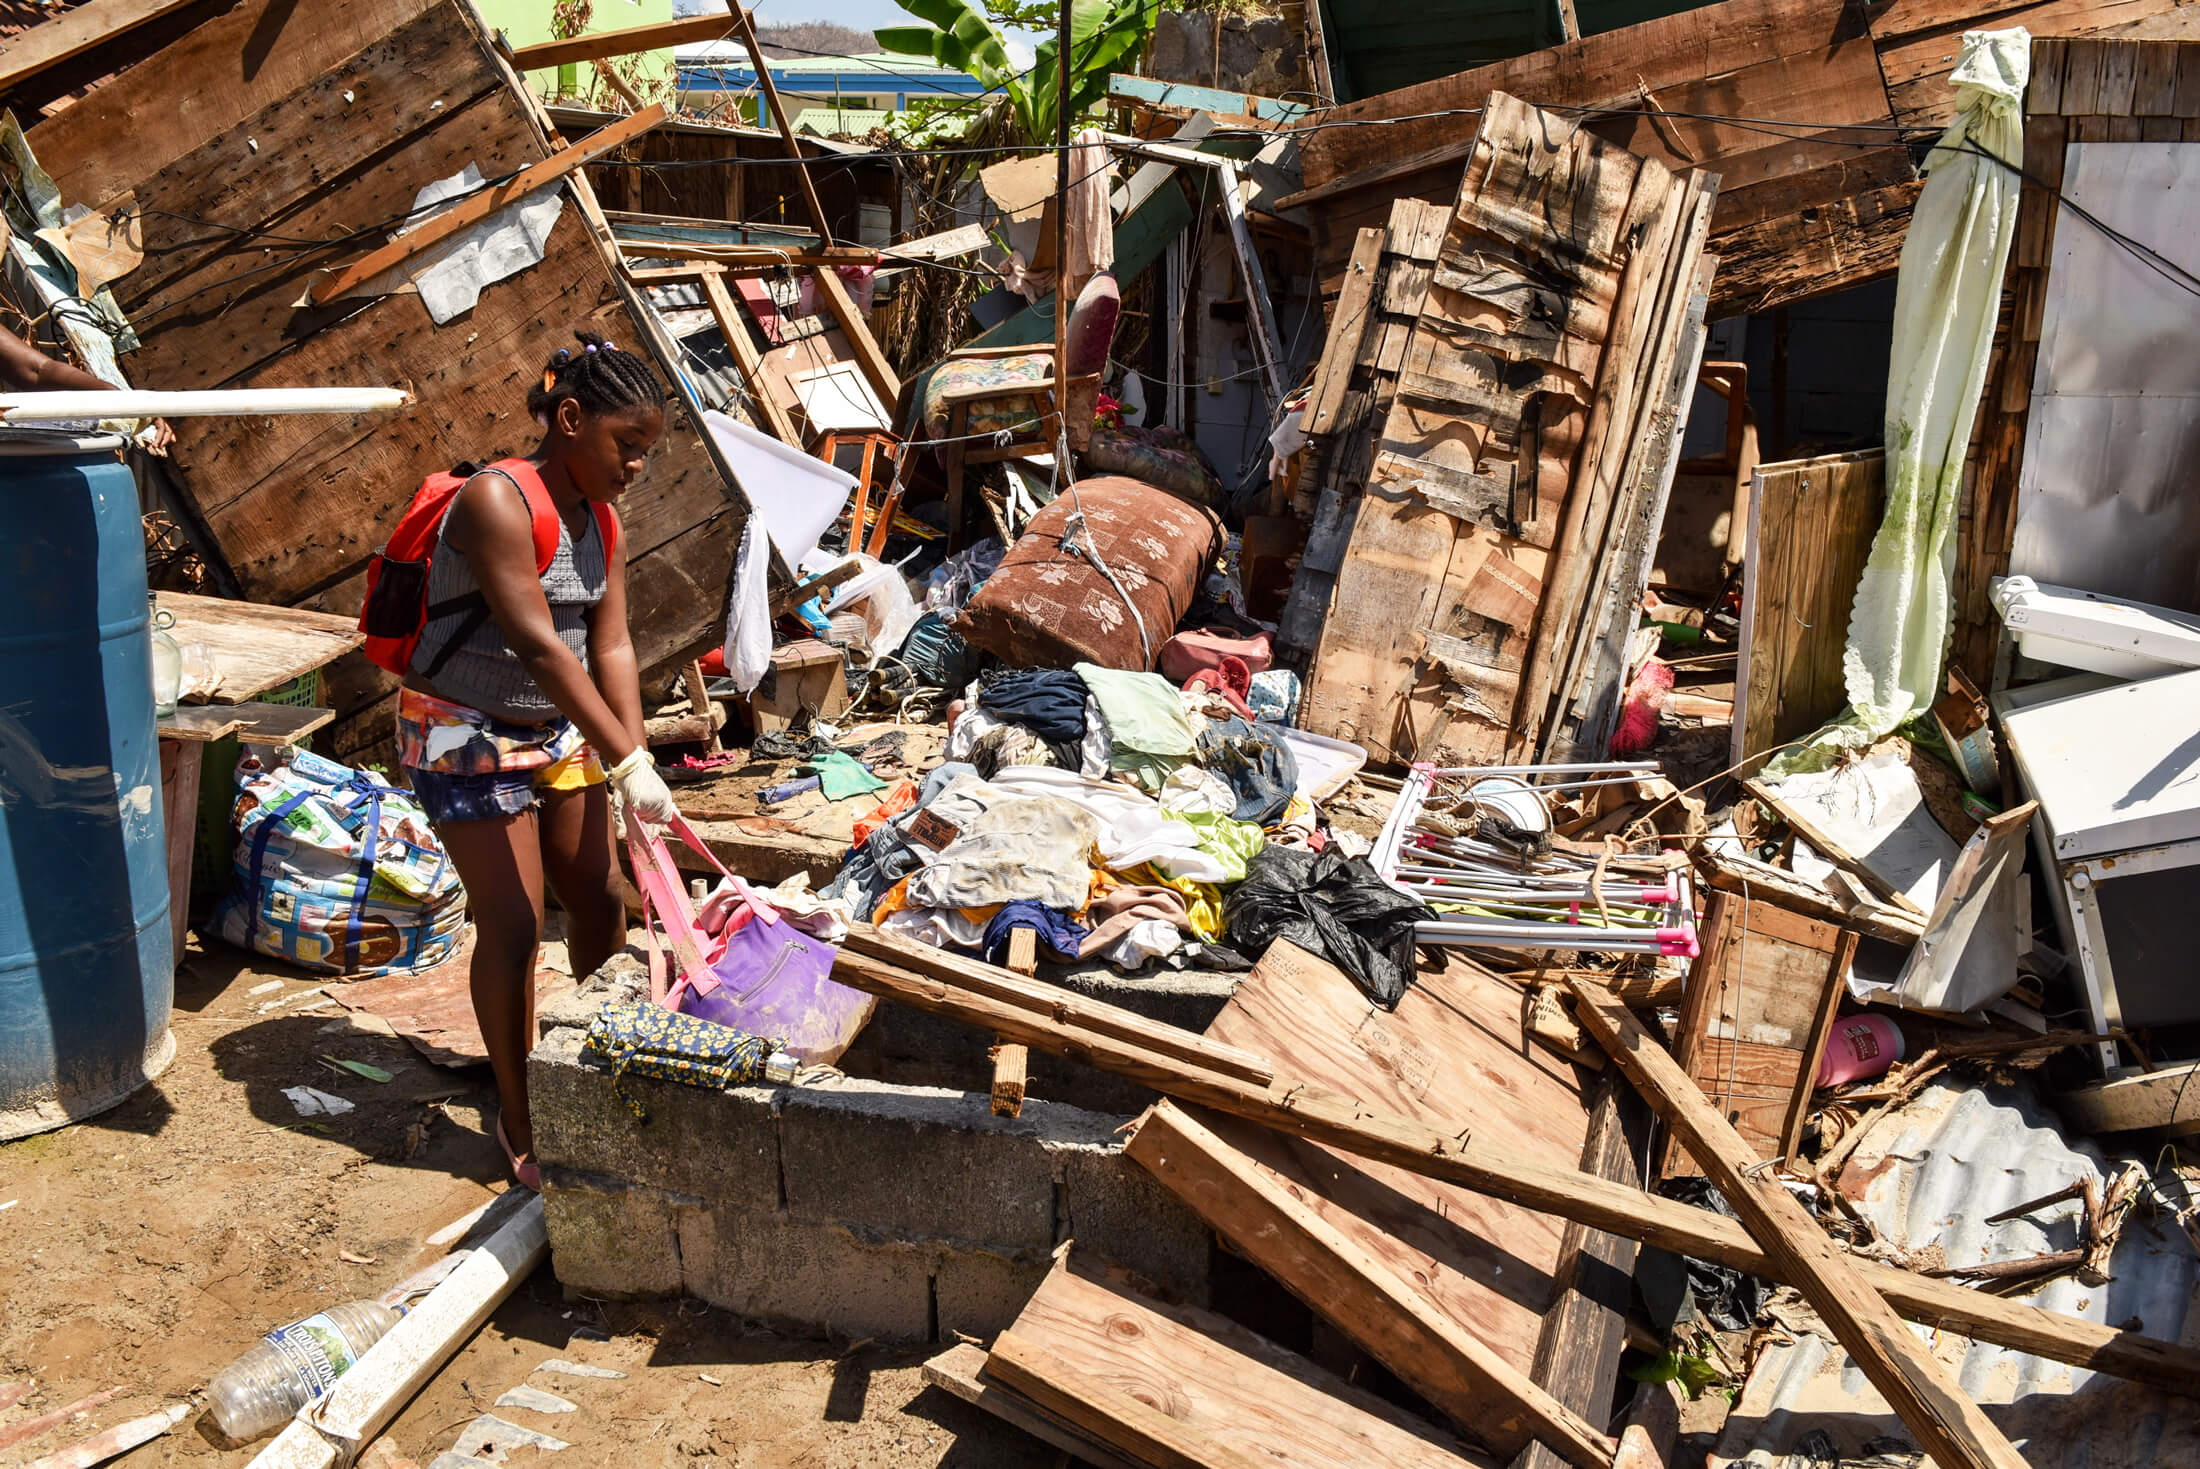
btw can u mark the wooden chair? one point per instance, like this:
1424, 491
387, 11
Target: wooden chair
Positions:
1080, 400
873, 456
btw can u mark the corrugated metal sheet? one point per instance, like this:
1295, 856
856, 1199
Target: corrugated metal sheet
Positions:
1928, 1177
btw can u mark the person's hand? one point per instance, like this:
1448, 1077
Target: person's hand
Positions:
158, 436
642, 789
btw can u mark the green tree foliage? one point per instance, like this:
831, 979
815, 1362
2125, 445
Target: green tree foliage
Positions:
960, 34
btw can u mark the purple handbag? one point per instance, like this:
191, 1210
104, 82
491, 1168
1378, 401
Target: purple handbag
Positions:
764, 976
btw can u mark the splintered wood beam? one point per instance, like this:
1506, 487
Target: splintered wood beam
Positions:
74, 32
478, 206
745, 22
1167, 1059
659, 37
1948, 1425
1386, 1313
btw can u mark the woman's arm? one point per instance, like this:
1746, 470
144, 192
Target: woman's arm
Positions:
611, 647
26, 369
491, 527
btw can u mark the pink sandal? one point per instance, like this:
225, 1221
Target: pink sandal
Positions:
528, 1175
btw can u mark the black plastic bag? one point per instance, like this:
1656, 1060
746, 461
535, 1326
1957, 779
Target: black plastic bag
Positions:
1329, 905
1727, 1298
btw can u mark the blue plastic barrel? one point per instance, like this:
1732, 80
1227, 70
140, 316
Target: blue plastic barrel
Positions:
87, 961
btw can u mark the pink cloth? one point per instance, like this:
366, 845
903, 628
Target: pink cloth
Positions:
1091, 225
1119, 910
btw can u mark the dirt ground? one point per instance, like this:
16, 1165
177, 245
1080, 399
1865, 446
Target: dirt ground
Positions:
147, 1248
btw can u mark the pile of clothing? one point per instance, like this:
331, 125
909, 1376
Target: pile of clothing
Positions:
1123, 819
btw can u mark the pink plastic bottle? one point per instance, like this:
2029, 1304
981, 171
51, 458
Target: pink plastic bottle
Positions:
1860, 1046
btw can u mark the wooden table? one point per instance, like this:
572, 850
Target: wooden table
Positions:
253, 648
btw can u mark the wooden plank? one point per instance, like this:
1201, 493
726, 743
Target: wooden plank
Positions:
961, 1370
1607, 70
74, 32
1180, 1388
1347, 327
1829, 245
1323, 1260
1584, 1334
1946, 1423
2165, 1101
1499, 415
1054, 1005
1303, 1110
963, 239
198, 724
1620, 378
1012, 1062
255, 648
659, 37
181, 763
231, 306
479, 206
1811, 525
303, 166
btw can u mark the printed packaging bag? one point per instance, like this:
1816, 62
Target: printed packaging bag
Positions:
338, 872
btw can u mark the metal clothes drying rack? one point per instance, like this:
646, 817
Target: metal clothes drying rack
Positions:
1494, 896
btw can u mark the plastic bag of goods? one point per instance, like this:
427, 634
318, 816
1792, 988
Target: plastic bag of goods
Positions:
338, 872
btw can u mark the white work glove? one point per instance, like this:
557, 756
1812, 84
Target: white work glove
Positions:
644, 791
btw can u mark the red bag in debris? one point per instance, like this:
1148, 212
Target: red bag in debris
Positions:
1201, 650
397, 611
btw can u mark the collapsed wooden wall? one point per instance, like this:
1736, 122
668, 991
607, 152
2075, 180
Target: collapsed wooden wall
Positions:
2100, 91
275, 126
1521, 440
1817, 205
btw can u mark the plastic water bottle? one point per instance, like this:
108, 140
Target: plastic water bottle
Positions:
292, 1365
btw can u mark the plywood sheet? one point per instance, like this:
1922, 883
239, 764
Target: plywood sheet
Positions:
252, 139
255, 648
1811, 525
1452, 1055
1178, 1387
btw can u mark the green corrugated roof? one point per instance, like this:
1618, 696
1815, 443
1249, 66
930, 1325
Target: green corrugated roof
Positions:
837, 122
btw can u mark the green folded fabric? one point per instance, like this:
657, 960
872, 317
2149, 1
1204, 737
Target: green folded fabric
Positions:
840, 775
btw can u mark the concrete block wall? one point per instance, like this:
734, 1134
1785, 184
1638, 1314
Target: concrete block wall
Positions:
852, 1207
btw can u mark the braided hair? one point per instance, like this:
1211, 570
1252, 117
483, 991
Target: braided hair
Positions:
599, 377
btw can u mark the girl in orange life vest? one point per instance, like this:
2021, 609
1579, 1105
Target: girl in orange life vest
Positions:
513, 693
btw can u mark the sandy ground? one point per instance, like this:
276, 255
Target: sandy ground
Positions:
147, 1248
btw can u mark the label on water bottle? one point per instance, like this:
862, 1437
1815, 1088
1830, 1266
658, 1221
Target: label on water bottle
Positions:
315, 1350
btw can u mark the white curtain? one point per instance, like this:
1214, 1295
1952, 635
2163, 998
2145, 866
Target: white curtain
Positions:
1946, 300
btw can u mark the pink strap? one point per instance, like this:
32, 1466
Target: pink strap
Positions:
663, 897
663, 893
680, 828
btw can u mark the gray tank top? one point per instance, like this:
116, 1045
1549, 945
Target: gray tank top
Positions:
482, 672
